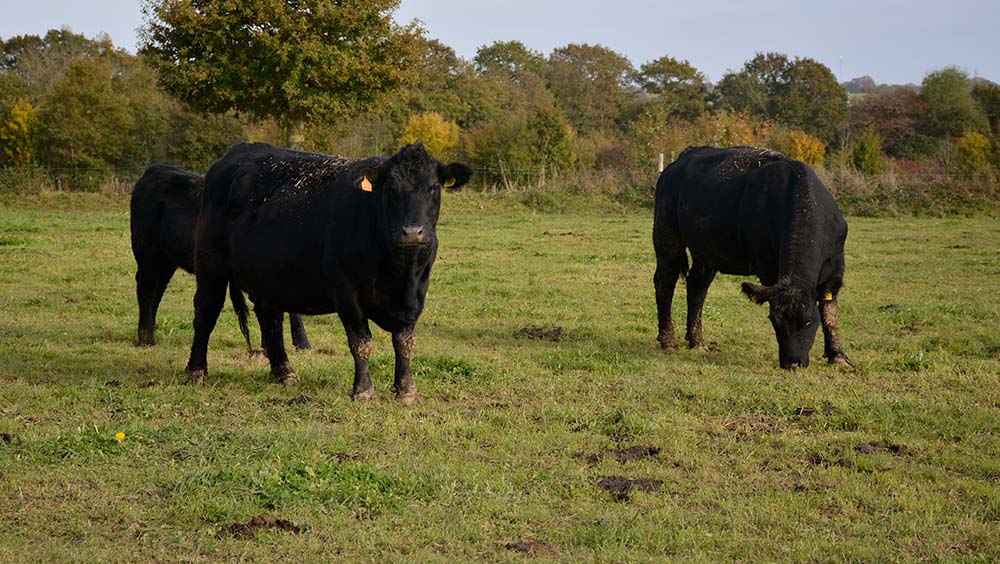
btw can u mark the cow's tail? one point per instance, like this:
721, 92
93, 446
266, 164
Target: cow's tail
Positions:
242, 311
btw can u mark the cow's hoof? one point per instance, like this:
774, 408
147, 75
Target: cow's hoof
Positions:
409, 398
146, 338
303, 346
197, 376
840, 359
667, 342
366, 396
285, 376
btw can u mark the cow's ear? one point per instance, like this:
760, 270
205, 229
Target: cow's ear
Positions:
455, 175
366, 178
760, 294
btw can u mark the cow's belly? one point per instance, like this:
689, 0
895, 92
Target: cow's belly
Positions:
712, 235
281, 269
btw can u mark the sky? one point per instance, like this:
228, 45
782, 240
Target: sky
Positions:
894, 41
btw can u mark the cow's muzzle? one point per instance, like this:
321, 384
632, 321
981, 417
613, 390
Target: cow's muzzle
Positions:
414, 236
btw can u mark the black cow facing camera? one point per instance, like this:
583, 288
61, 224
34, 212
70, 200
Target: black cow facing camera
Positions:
751, 211
312, 234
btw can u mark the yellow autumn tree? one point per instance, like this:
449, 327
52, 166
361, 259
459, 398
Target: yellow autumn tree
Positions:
439, 135
18, 135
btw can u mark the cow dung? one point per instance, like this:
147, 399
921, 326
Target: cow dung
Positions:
553, 334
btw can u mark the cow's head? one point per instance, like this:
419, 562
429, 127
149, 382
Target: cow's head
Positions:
408, 187
794, 316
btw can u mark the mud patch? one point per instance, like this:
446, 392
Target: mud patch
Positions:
10, 439
113, 384
621, 488
912, 328
958, 247
347, 457
147, 384
563, 234
880, 446
261, 522
534, 548
553, 334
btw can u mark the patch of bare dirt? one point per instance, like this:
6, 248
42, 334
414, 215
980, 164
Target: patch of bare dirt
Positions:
563, 234
809, 411
113, 384
299, 400
623, 455
958, 247
148, 384
621, 488
261, 522
880, 446
817, 459
553, 334
912, 328
532, 547
10, 439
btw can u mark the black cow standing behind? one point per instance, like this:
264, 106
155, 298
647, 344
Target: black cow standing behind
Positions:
315, 234
751, 211
163, 214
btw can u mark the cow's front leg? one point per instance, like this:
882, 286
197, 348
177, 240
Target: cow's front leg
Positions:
832, 349
406, 390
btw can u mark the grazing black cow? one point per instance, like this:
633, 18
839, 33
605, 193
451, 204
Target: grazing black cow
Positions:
751, 211
316, 234
163, 214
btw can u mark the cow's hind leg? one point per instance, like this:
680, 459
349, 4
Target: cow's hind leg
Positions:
208, 301
698, 280
668, 270
299, 338
832, 349
151, 280
406, 390
271, 322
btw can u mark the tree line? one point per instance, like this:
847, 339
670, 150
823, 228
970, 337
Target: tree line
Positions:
323, 81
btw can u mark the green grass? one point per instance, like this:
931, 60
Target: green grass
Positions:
897, 459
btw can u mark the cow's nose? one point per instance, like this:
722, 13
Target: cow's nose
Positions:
413, 235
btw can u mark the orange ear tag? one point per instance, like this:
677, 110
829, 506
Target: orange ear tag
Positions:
366, 184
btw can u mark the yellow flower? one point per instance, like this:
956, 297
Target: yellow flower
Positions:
120, 436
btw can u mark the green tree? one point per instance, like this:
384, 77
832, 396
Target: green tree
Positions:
975, 153
987, 95
951, 109
508, 60
675, 84
194, 140
103, 113
801, 92
590, 84
290, 61
895, 113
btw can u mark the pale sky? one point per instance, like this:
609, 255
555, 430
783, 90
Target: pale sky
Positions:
894, 41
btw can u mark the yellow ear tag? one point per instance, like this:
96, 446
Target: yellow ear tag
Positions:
449, 183
366, 184
755, 299
828, 296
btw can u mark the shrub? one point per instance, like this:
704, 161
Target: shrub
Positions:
806, 148
974, 153
867, 154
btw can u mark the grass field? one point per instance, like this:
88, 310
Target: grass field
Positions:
518, 438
